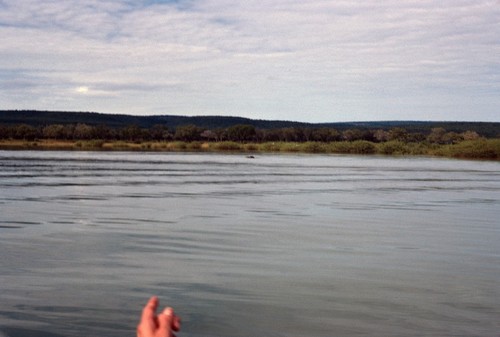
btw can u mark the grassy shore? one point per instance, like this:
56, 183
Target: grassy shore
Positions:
488, 149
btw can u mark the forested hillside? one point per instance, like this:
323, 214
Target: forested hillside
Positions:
43, 118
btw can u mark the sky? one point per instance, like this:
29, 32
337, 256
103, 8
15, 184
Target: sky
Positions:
308, 60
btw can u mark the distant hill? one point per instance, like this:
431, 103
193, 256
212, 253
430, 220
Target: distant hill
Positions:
41, 118
36, 117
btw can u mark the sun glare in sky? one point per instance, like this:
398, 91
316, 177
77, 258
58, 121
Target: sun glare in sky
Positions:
82, 90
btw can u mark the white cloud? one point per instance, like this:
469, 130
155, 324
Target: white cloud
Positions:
316, 60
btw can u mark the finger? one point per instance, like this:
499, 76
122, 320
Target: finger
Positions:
176, 323
165, 321
149, 311
150, 307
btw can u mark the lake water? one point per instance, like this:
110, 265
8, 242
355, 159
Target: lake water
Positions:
279, 245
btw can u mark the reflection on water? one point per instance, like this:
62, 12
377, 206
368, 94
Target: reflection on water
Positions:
275, 246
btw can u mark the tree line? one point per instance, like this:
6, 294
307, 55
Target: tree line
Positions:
242, 133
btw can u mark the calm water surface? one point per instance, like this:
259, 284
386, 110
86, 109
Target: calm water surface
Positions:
279, 245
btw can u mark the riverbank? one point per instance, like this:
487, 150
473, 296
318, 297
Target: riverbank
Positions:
488, 149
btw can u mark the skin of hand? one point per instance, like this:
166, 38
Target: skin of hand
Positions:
161, 325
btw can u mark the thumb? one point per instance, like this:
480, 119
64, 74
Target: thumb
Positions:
165, 320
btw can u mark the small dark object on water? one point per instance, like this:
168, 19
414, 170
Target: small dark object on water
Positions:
250, 157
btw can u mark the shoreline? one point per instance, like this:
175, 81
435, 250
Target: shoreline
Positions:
483, 149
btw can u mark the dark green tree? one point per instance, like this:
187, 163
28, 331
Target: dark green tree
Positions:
437, 135
83, 131
159, 132
398, 134
131, 133
325, 135
25, 132
53, 131
241, 133
103, 132
352, 135
5, 132
188, 133
380, 135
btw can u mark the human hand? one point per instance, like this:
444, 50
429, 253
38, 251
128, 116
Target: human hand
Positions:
161, 325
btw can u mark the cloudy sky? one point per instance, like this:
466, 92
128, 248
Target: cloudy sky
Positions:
308, 60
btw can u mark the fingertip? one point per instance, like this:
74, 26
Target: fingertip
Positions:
149, 309
152, 303
168, 311
171, 319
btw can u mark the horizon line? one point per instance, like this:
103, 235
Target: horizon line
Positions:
252, 119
